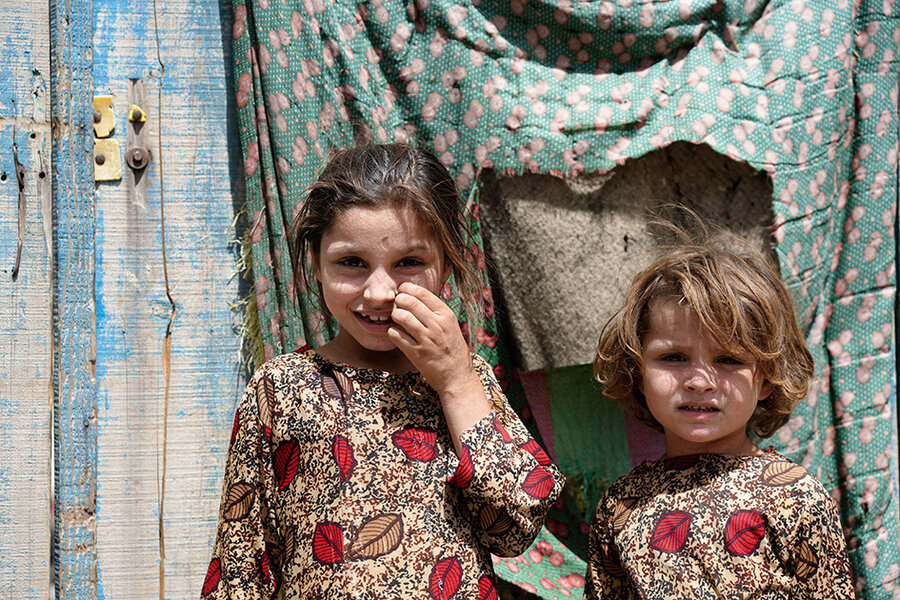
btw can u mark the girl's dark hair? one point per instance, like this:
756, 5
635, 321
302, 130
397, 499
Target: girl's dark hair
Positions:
380, 174
739, 299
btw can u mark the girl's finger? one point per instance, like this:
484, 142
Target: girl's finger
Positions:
401, 339
409, 323
415, 307
438, 321
423, 295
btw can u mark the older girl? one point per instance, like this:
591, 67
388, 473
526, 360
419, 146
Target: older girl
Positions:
387, 462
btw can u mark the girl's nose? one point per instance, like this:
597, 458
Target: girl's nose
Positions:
380, 288
701, 378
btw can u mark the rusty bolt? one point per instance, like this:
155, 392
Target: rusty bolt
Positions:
136, 114
99, 159
137, 158
97, 116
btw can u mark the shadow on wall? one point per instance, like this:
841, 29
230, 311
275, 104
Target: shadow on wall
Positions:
565, 250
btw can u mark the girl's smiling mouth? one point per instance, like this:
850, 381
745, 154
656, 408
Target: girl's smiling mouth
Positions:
375, 318
375, 321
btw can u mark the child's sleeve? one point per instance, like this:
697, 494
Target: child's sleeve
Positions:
506, 480
816, 553
605, 577
246, 556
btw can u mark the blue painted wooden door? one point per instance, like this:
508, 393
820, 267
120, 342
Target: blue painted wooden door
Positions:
120, 337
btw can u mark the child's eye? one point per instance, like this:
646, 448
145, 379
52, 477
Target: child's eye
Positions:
351, 261
673, 357
410, 262
730, 360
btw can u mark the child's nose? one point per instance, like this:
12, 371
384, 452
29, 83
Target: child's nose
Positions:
701, 378
380, 288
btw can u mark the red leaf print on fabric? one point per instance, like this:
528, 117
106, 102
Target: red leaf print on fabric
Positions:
680, 463
498, 425
465, 471
266, 573
671, 532
445, 578
486, 588
213, 574
235, 427
328, 543
744, 531
287, 462
534, 449
303, 349
539, 483
417, 443
343, 456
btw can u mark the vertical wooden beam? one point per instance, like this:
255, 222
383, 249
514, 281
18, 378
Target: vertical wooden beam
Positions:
71, 29
26, 307
177, 68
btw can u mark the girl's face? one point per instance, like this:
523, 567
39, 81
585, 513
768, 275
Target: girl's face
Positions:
365, 254
702, 394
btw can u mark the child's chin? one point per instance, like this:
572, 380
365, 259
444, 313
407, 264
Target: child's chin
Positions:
380, 346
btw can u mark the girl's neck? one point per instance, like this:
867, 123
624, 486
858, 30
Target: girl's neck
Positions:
339, 350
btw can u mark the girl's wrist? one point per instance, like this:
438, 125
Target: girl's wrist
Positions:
457, 387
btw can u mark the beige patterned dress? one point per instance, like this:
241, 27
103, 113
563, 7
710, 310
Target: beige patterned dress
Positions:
712, 526
344, 483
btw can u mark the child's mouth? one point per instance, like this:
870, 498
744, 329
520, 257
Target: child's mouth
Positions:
702, 409
376, 319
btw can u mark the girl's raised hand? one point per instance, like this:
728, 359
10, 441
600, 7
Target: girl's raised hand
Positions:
427, 332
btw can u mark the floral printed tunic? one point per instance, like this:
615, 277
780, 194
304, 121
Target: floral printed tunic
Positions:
343, 482
713, 526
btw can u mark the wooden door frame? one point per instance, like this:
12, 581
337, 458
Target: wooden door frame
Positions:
75, 390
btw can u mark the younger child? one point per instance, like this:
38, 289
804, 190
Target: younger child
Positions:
707, 349
387, 462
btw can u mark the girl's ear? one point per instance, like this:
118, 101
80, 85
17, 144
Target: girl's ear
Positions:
765, 390
314, 259
448, 269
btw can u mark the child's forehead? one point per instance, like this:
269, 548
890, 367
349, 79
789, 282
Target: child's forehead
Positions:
673, 315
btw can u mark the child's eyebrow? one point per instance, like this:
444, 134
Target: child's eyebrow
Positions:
354, 247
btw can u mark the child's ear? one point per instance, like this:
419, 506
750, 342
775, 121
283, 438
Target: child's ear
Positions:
314, 260
448, 269
765, 391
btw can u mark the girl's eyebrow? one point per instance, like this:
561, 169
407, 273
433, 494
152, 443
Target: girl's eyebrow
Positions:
353, 247
417, 246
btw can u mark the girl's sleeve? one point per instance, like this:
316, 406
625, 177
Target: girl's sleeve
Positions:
246, 556
506, 480
605, 577
817, 552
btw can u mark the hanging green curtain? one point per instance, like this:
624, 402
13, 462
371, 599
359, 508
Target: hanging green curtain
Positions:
803, 89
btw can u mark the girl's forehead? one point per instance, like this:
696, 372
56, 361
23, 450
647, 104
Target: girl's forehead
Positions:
388, 225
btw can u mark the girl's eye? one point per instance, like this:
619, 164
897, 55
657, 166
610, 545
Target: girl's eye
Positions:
674, 357
410, 262
351, 261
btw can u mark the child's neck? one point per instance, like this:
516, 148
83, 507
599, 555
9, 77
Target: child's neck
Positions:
390, 361
743, 447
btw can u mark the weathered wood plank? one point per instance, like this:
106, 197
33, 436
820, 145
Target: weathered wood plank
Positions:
25, 311
187, 131
75, 443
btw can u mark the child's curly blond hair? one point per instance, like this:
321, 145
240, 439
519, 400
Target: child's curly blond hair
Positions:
740, 300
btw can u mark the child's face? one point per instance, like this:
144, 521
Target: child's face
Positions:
365, 254
702, 394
